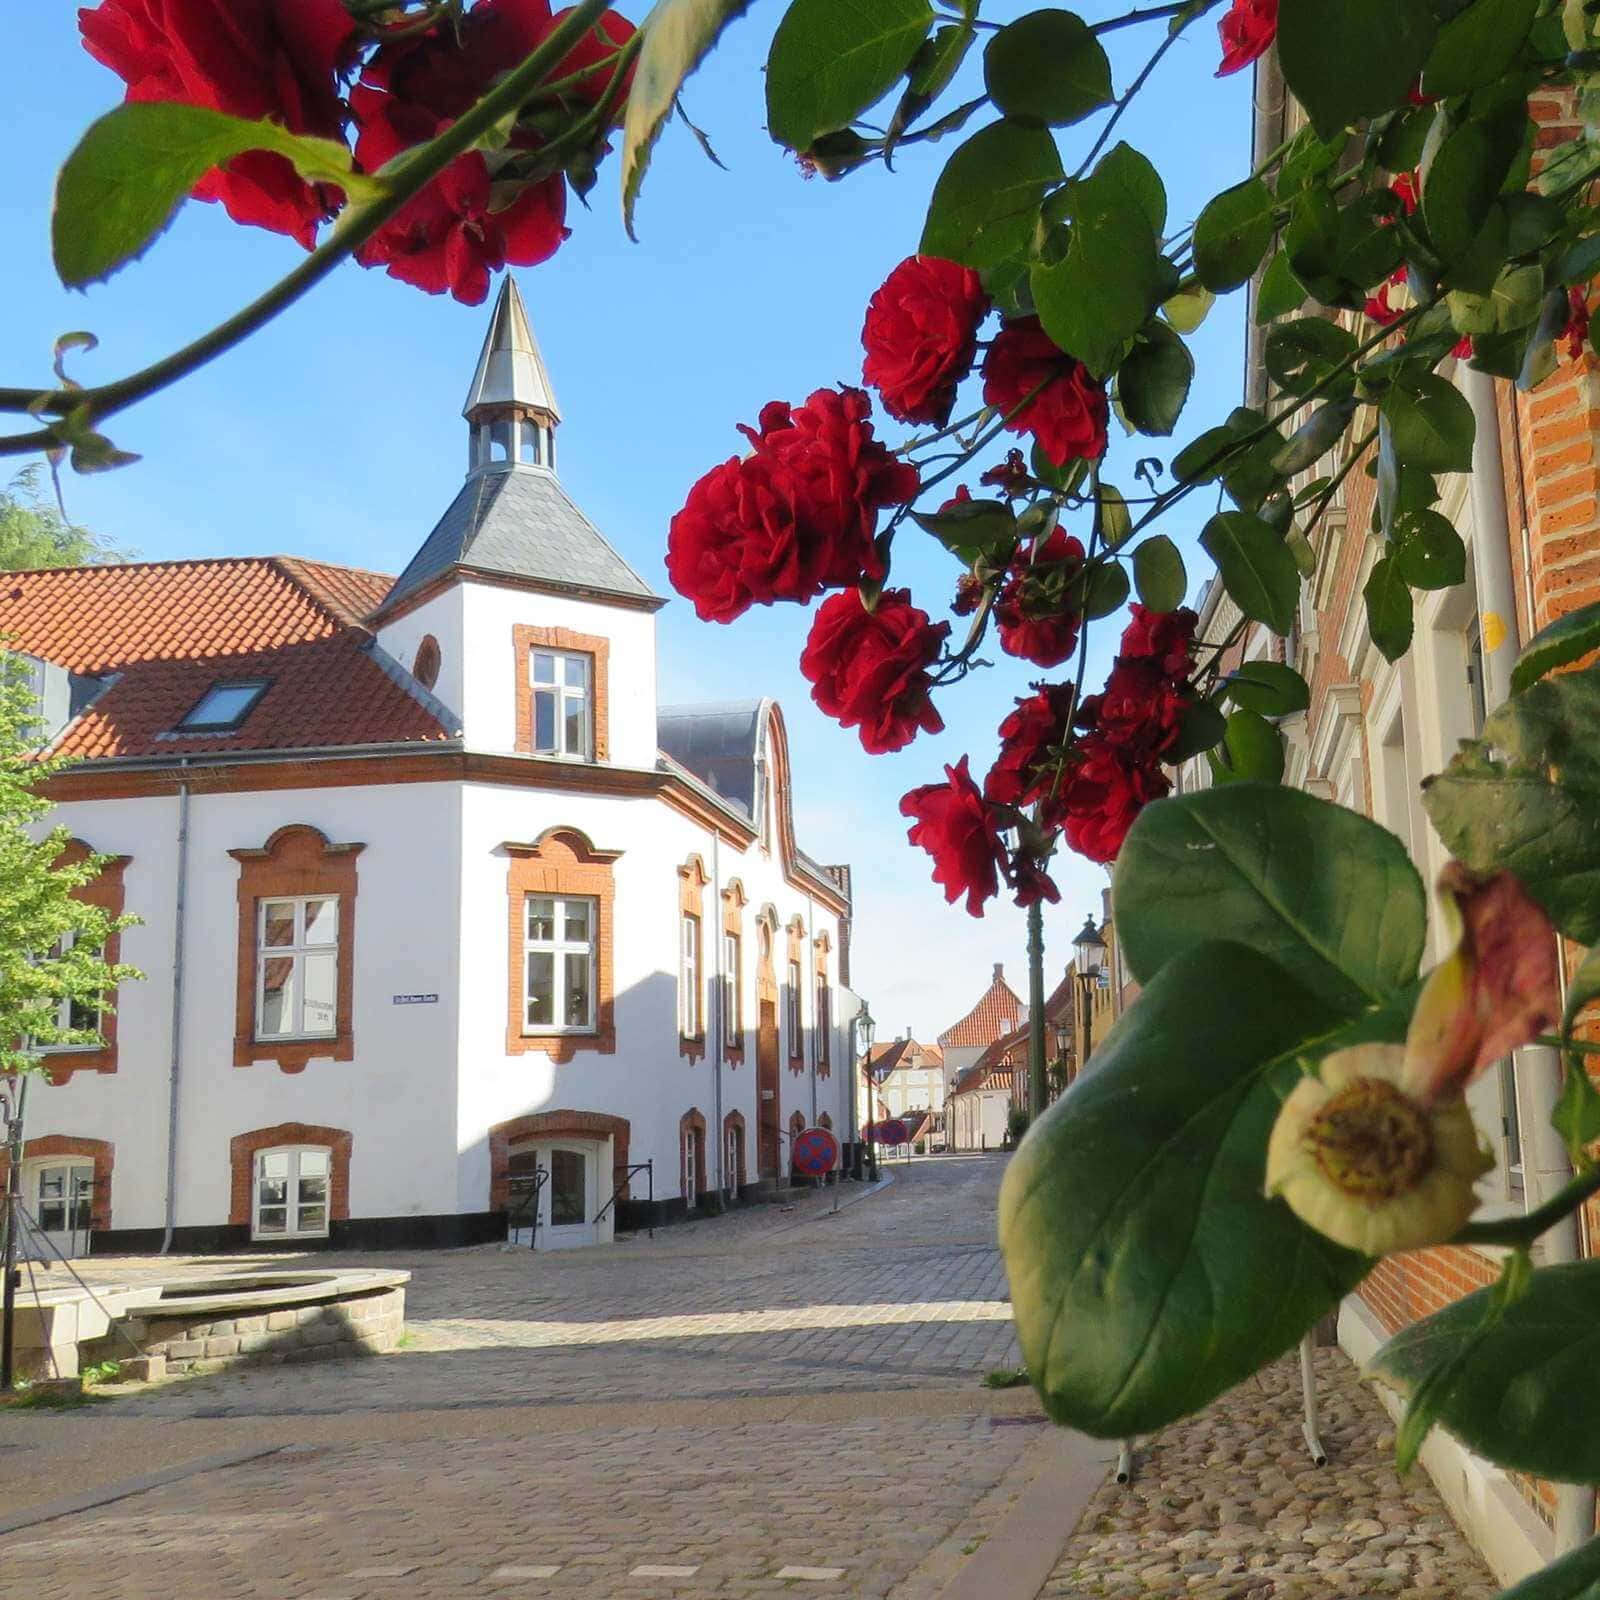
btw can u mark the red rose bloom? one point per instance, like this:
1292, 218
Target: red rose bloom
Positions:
796, 516
1034, 611
248, 58
1404, 189
920, 336
870, 668
1011, 475
1577, 328
1165, 637
1141, 709
956, 827
1024, 772
961, 497
1247, 30
1104, 794
1068, 415
1031, 882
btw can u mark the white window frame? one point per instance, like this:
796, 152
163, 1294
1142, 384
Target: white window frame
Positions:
730, 1159
296, 953
76, 1192
691, 1174
793, 1018
559, 947
733, 988
691, 1002
293, 1204
562, 694
824, 1021
63, 1019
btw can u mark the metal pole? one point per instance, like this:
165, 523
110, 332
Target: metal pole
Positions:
8, 1257
175, 1071
1311, 1426
1035, 1010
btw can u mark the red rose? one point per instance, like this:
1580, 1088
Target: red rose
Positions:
1404, 189
1247, 30
870, 668
1011, 475
597, 46
968, 595
1104, 794
796, 516
956, 827
1141, 710
1165, 637
248, 58
1378, 306
1035, 611
1032, 883
1068, 415
1577, 328
1024, 771
961, 497
920, 336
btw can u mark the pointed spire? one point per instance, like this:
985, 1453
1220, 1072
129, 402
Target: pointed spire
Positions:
511, 371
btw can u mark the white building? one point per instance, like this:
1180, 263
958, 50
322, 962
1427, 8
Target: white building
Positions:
440, 912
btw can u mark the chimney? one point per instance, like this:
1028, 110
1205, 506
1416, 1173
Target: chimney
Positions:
999, 972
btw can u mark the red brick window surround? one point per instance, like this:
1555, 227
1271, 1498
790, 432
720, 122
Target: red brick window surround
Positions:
692, 882
242, 1151
733, 1018
563, 1124
106, 892
525, 640
561, 864
692, 1137
733, 1150
100, 1151
296, 863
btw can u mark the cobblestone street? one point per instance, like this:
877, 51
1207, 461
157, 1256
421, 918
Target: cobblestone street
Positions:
783, 1400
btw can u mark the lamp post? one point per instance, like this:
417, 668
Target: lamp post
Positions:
868, 1027
1091, 955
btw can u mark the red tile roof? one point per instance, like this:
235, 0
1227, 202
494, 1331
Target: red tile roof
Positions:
887, 1058
164, 632
1001, 1007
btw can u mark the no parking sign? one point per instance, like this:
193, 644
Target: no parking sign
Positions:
816, 1152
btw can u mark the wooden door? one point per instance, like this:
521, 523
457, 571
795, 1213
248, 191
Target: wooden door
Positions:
769, 1154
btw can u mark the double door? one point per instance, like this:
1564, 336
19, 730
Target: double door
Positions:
557, 1188
59, 1197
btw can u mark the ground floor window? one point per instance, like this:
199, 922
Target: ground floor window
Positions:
60, 1195
291, 1193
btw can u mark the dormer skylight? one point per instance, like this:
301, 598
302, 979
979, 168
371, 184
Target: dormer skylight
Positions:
224, 706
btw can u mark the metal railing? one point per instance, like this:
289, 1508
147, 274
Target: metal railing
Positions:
649, 1170
522, 1209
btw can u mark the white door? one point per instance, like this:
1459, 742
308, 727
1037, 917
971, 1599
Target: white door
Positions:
567, 1176
59, 1196
691, 1176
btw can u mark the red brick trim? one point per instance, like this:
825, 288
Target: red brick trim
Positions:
296, 860
825, 1121
100, 1151
734, 1123
553, 1125
242, 1150
692, 881
561, 861
692, 1125
734, 900
109, 894
523, 641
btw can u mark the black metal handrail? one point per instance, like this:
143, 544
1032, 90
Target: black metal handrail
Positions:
530, 1188
649, 1170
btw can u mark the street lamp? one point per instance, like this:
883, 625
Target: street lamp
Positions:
868, 1028
1090, 947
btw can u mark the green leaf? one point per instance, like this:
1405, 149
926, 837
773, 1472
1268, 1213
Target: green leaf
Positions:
1466, 176
1188, 308
1101, 292
1280, 292
1429, 553
1257, 571
1158, 573
1148, 1271
831, 59
1354, 59
1567, 639
1136, 173
1573, 1577
1153, 381
1581, 262
1301, 354
677, 36
1315, 437
1251, 751
1576, 1116
971, 529
1526, 796
134, 167
1268, 687
985, 205
1389, 612
1510, 1378
1203, 726
1327, 895
1102, 589
1477, 45
1047, 68
1232, 234
1430, 422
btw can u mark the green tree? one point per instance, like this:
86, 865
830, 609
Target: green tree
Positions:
34, 533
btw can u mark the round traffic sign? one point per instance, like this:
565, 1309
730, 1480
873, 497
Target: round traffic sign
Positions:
816, 1152
891, 1132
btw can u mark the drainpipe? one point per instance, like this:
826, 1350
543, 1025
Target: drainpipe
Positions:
810, 980
176, 1073
1546, 1166
720, 1031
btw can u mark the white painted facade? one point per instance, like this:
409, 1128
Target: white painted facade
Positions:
430, 1079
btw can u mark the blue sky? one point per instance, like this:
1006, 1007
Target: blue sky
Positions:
336, 432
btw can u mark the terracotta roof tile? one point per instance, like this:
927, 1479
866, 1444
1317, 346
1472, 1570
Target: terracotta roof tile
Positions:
164, 632
1000, 1008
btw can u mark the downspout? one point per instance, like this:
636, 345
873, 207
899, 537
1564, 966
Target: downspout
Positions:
1537, 1072
816, 1019
720, 1032
176, 1072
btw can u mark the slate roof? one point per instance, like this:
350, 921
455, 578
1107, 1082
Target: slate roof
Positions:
985, 1022
518, 522
161, 633
718, 744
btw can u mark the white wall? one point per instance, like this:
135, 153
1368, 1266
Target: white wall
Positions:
441, 615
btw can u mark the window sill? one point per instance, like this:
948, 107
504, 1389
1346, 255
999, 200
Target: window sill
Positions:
69, 1049
270, 1041
560, 1033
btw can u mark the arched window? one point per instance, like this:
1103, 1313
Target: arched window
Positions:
425, 669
